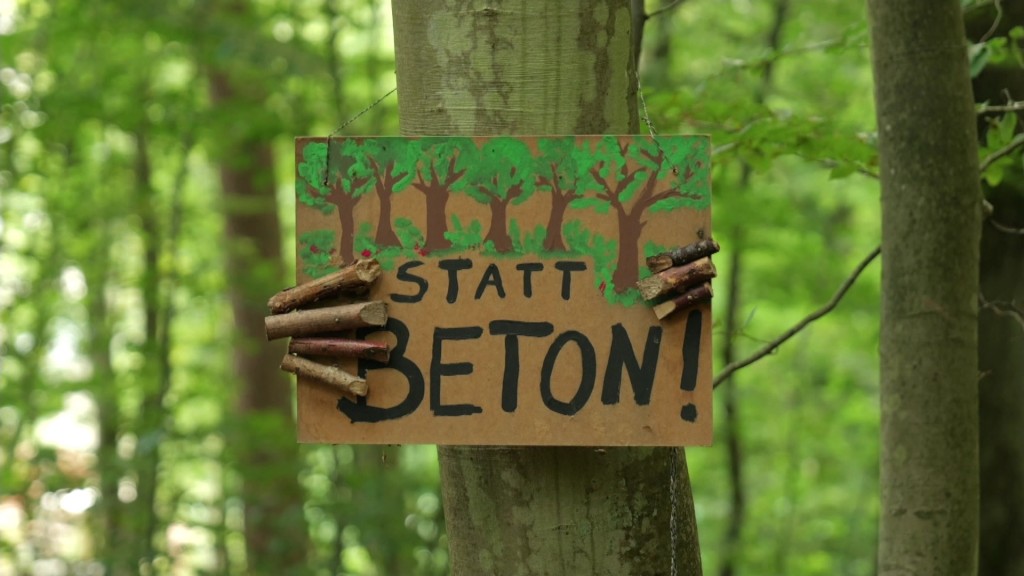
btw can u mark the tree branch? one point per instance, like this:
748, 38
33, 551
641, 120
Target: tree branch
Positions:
991, 159
769, 348
664, 9
1007, 309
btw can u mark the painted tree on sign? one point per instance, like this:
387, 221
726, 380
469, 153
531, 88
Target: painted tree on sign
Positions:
503, 176
633, 178
440, 168
557, 173
393, 169
335, 184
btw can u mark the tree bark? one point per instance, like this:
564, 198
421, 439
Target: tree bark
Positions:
930, 216
549, 69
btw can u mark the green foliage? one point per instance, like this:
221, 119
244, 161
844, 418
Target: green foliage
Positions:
530, 242
437, 167
316, 249
502, 172
410, 236
465, 238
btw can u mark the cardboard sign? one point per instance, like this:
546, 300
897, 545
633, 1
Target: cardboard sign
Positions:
510, 269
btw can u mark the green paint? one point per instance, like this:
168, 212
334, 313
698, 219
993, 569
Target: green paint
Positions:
616, 179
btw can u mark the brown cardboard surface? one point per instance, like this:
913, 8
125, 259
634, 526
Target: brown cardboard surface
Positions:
449, 379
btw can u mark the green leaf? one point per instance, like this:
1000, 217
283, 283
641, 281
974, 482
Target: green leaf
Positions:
979, 55
600, 206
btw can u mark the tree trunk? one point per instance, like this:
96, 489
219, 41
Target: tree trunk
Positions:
553, 235
1001, 390
275, 529
109, 464
550, 70
498, 232
385, 231
437, 218
930, 217
627, 267
1000, 339
344, 205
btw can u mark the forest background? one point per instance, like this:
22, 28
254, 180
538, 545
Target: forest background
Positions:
147, 211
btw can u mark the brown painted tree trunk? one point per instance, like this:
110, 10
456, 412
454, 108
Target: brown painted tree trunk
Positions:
384, 187
344, 205
1000, 338
627, 267
553, 241
931, 216
554, 68
385, 231
437, 217
275, 529
498, 232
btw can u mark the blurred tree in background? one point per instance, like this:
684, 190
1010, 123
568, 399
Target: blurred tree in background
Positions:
146, 212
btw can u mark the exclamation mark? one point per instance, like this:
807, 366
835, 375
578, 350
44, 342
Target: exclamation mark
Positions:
691, 355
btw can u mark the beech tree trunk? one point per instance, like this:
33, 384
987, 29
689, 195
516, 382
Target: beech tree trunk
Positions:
930, 217
1000, 338
551, 67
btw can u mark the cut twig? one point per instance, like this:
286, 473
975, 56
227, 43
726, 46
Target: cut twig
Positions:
330, 375
339, 348
332, 319
688, 299
353, 279
682, 255
676, 279
770, 347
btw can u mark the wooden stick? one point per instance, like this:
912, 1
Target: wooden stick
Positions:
330, 375
334, 318
682, 255
676, 279
340, 348
354, 279
688, 299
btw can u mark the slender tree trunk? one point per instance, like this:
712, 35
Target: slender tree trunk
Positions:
1000, 338
553, 68
275, 529
930, 218
108, 413
553, 235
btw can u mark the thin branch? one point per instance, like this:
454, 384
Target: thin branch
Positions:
988, 210
769, 348
991, 159
664, 9
1007, 309
995, 22
993, 108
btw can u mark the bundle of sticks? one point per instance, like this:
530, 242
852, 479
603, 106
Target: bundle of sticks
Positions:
681, 279
314, 331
